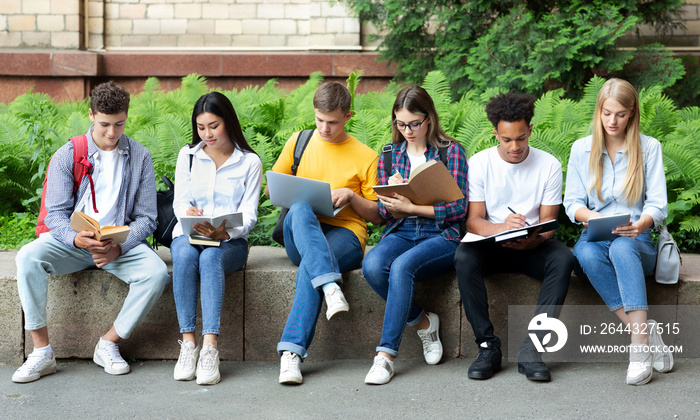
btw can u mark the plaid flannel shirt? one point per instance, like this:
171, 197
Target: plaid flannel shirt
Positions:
137, 196
447, 215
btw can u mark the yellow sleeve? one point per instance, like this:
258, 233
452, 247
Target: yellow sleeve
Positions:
370, 179
286, 158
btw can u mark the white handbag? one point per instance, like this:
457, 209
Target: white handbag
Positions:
668, 257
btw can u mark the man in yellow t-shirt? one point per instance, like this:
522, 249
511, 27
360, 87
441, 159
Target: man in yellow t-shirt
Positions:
323, 247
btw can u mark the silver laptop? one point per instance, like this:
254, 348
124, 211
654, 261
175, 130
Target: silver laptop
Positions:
286, 190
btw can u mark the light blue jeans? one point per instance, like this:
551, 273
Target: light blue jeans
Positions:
140, 267
321, 252
414, 251
201, 271
617, 268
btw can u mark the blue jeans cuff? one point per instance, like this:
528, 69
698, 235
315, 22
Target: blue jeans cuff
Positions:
216, 332
294, 348
636, 308
387, 350
319, 281
416, 321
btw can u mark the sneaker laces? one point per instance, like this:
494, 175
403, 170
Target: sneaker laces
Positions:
207, 358
288, 361
378, 364
33, 360
186, 354
429, 345
111, 350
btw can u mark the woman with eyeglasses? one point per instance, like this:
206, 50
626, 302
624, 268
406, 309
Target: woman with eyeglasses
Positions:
419, 245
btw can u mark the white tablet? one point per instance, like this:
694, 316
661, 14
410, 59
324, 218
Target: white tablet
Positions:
600, 228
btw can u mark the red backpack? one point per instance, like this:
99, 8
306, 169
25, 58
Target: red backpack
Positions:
81, 167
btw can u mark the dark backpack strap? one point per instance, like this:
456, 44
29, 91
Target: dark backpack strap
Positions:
442, 151
302, 142
387, 157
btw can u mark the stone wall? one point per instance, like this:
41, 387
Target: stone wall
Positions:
179, 24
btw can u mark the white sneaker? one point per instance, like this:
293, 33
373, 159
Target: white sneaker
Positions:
335, 302
36, 366
107, 355
663, 360
289, 368
432, 347
381, 371
187, 362
208, 366
639, 371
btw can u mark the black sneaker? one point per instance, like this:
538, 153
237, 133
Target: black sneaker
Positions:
486, 364
531, 365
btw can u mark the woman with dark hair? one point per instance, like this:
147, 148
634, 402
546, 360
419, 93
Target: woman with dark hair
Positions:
419, 245
618, 170
219, 173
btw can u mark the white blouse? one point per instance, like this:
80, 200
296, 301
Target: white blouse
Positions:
234, 187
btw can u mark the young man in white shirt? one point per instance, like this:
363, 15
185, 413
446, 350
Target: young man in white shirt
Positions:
124, 193
512, 175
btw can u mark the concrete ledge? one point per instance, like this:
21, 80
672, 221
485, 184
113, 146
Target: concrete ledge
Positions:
83, 305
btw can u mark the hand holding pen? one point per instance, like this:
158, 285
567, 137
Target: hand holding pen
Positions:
515, 221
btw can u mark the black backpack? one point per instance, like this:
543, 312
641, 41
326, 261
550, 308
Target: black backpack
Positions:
166, 220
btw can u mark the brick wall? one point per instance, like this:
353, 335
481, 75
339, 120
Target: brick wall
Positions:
41, 23
178, 24
213, 24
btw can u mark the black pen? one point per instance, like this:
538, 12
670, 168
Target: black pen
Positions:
513, 211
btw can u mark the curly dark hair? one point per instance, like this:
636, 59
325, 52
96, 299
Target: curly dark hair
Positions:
109, 98
510, 107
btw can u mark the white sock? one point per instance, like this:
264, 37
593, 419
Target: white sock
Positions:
329, 287
47, 351
104, 343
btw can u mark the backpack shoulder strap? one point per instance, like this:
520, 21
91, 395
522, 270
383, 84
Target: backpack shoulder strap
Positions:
302, 142
82, 166
442, 151
387, 151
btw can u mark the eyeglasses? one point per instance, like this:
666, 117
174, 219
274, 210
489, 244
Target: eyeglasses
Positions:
414, 126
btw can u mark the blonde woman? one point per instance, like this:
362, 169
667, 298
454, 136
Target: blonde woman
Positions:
617, 170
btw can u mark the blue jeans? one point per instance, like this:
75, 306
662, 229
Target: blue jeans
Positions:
414, 251
140, 267
321, 252
208, 266
617, 268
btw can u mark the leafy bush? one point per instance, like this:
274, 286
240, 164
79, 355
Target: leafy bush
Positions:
161, 121
530, 46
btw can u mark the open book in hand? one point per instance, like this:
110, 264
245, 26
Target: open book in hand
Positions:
429, 184
81, 221
232, 220
512, 234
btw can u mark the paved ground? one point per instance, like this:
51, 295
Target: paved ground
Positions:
335, 390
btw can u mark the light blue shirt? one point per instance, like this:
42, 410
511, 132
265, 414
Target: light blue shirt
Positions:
580, 194
233, 187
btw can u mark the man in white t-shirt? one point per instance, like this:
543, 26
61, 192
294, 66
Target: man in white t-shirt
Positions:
123, 193
510, 186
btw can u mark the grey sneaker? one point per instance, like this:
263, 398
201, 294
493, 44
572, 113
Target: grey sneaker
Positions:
335, 302
208, 366
186, 365
430, 337
36, 366
107, 355
639, 371
381, 371
289, 368
663, 360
